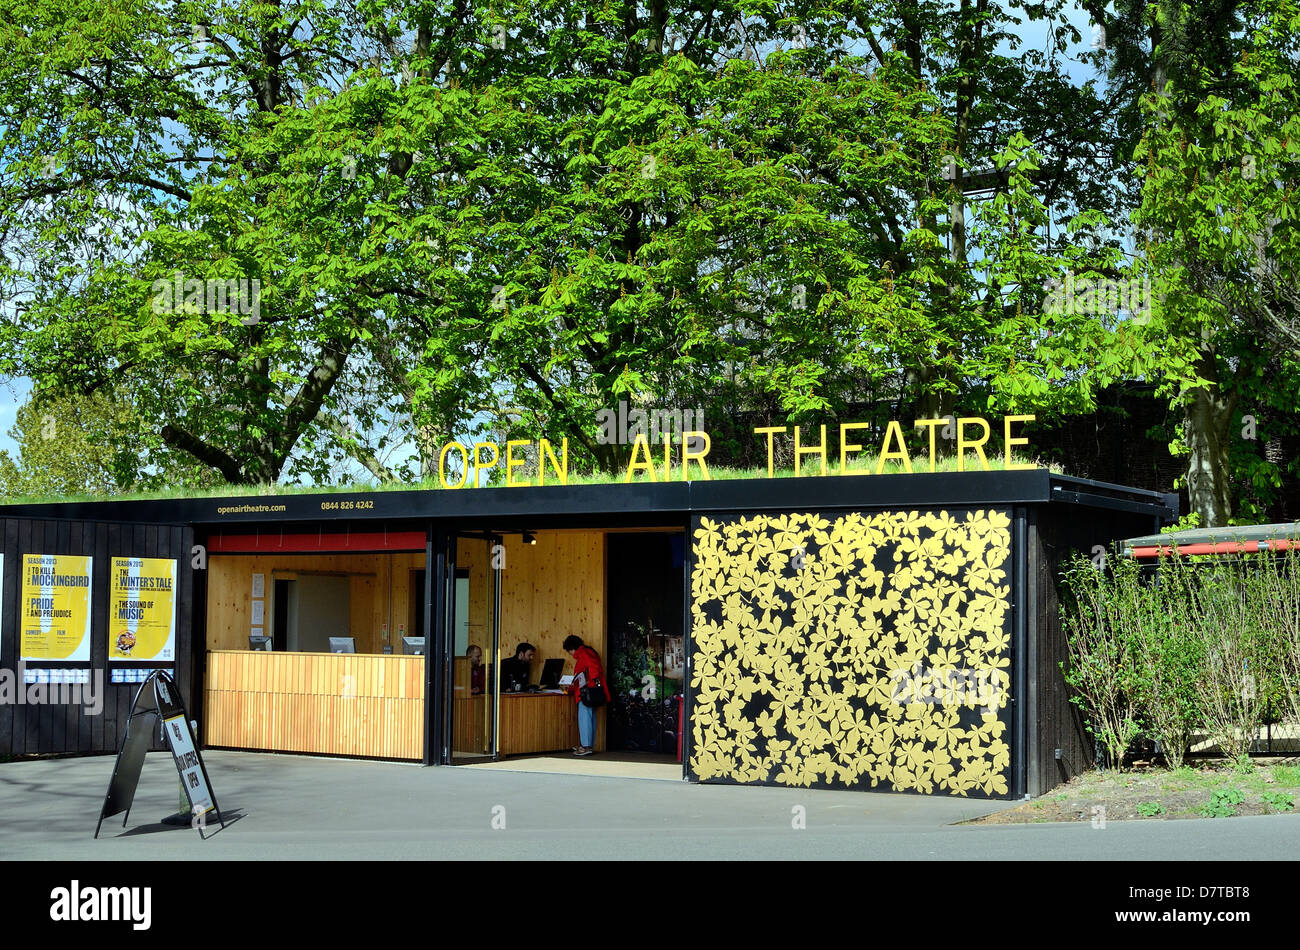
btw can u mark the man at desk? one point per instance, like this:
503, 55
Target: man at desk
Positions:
516, 671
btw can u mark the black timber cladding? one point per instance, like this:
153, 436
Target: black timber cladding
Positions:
1055, 536
50, 728
634, 500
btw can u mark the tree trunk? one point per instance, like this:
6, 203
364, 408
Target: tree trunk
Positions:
1208, 419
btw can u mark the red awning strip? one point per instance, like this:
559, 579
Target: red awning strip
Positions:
273, 542
1218, 547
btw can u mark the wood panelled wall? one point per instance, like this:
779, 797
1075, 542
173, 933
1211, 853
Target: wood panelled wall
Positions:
325, 703
552, 589
52, 728
549, 590
374, 576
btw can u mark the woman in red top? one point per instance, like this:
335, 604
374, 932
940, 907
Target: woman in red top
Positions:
587, 671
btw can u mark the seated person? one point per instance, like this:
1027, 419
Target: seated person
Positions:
516, 671
477, 671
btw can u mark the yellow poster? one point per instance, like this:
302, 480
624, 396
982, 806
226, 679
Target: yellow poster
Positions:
55, 612
142, 610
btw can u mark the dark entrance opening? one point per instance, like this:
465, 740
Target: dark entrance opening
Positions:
280, 616
646, 663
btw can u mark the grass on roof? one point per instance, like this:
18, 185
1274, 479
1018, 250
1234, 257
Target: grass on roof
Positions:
861, 465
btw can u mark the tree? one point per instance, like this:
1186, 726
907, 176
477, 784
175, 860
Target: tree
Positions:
776, 227
91, 445
146, 237
462, 215
1222, 158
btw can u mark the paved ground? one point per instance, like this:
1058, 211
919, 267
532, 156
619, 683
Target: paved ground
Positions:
608, 764
312, 808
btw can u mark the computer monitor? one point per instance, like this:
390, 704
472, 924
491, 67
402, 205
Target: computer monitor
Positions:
551, 674
343, 644
260, 643
414, 645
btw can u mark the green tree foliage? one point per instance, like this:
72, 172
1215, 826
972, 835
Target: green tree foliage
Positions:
131, 167
1220, 161
512, 215
88, 445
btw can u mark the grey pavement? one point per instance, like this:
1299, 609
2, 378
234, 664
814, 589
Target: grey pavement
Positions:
299, 807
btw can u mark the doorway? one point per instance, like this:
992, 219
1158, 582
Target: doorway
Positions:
473, 599
319, 607
646, 659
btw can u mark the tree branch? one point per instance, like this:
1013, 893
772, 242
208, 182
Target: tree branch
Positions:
209, 455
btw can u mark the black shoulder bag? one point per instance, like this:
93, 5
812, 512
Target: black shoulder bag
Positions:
593, 695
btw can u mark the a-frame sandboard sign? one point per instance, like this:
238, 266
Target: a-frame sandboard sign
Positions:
158, 700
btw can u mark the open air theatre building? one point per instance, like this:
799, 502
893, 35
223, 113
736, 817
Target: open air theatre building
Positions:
885, 632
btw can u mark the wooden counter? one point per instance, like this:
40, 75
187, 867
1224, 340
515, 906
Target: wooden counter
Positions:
541, 722
364, 704
329, 703
471, 735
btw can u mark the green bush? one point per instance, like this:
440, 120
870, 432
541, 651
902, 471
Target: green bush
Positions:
1168, 655
1209, 644
1279, 609
1103, 663
1227, 616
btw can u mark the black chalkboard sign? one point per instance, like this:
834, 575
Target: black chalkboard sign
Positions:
158, 700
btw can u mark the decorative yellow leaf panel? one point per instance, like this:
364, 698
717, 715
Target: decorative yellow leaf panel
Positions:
854, 651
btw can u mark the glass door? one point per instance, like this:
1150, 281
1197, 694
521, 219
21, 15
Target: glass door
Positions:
473, 643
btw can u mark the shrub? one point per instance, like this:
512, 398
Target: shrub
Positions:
1279, 609
1102, 671
1168, 654
1226, 617
1209, 643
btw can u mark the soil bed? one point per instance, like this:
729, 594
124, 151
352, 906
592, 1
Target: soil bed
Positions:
1214, 789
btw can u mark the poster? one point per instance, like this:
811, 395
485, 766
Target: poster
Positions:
55, 614
142, 610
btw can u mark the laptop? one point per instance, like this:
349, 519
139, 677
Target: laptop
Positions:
551, 674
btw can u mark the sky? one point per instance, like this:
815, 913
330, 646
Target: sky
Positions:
13, 393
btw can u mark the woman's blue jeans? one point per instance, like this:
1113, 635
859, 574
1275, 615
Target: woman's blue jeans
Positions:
586, 725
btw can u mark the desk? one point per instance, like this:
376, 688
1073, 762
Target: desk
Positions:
541, 722
470, 724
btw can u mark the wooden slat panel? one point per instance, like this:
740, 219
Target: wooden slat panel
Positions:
327, 703
537, 723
